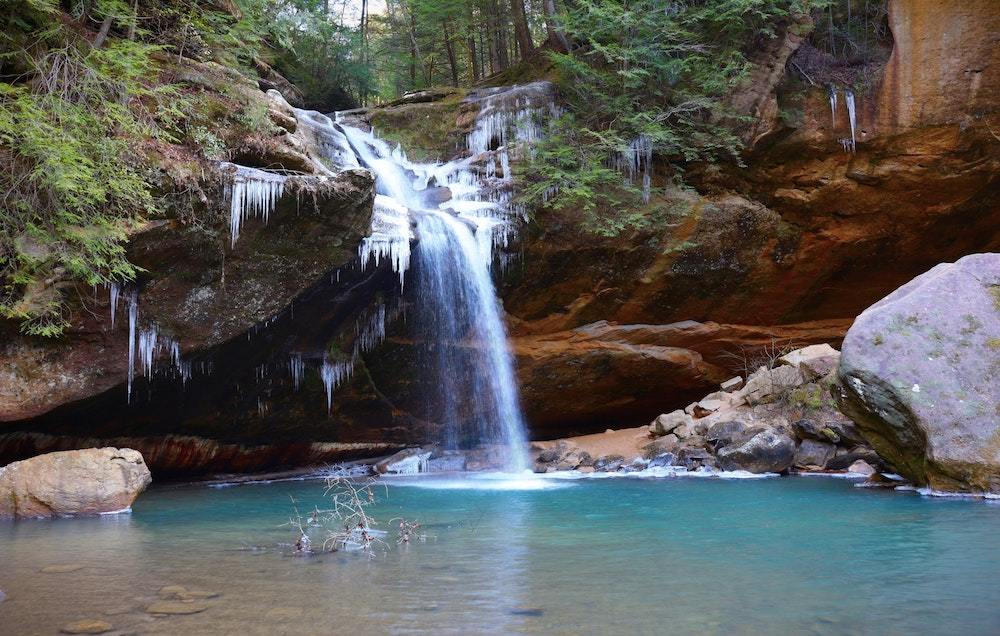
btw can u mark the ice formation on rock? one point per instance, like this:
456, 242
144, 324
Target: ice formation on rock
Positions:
251, 193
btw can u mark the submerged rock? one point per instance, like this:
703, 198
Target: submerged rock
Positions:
82, 482
87, 626
919, 372
176, 607
61, 569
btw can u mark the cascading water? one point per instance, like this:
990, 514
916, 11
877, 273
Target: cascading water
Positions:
457, 302
460, 217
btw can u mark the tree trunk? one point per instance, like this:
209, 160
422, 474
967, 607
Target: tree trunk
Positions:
491, 36
414, 50
524, 43
555, 34
102, 35
135, 20
452, 61
503, 59
470, 44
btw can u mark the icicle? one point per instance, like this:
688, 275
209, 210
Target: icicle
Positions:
370, 330
333, 374
133, 318
252, 193
833, 104
147, 350
114, 291
852, 116
296, 367
633, 161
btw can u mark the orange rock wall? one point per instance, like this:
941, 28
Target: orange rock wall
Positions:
945, 63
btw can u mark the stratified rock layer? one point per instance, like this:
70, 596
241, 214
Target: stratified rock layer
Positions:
919, 372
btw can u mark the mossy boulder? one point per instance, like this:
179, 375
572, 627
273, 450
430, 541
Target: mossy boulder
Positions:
920, 378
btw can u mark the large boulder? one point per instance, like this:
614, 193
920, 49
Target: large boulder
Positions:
667, 423
80, 482
769, 385
769, 451
814, 454
919, 371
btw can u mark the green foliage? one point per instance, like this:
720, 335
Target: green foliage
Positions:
78, 102
661, 74
569, 168
71, 178
325, 60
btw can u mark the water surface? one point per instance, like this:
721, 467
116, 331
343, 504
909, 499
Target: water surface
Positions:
625, 556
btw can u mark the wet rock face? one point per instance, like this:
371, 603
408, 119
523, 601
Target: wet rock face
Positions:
919, 372
79, 482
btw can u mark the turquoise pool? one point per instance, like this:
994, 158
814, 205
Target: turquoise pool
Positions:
794, 555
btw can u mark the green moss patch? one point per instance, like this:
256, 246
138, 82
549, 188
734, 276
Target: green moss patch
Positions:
429, 131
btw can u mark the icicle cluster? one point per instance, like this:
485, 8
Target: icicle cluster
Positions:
252, 193
370, 330
333, 374
147, 350
849, 144
389, 238
296, 368
635, 160
144, 345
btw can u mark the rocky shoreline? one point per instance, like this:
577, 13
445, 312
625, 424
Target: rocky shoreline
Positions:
780, 418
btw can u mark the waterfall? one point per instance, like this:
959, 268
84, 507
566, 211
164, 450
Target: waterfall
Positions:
462, 211
463, 326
